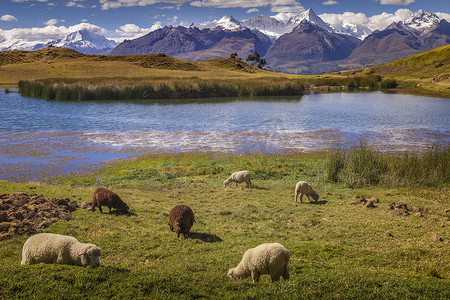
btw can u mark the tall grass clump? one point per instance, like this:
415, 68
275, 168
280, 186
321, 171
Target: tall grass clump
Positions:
361, 166
168, 89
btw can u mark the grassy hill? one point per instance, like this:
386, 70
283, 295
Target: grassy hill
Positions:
425, 73
63, 63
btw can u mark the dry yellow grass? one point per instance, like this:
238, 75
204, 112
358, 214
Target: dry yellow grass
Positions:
65, 63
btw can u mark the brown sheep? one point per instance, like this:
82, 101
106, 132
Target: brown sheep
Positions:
103, 196
181, 219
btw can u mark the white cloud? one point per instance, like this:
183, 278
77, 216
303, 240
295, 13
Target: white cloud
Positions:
53, 22
48, 33
397, 2
108, 4
295, 8
252, 10
74, 3
132, 31
330, 2
8, 18
20, 1
442, 15
376, 22
243, 3
172, 20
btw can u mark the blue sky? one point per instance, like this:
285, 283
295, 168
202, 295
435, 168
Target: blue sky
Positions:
129, 18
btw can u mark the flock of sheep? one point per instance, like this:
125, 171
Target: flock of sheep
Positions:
268, 258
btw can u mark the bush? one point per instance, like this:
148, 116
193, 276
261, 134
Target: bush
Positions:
389, 84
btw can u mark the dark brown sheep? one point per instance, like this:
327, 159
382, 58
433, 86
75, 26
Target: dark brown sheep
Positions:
103, 196
181, 219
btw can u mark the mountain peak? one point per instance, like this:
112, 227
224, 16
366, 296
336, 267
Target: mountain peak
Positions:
421, 20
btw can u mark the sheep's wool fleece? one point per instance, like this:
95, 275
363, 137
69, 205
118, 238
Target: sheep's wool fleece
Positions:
51, 248
265, 256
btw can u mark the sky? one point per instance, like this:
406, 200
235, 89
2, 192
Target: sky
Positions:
128, 19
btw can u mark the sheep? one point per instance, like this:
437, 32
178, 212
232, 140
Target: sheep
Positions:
181, 219
239, 177
304, 188
269, 258
103, 196
53, 248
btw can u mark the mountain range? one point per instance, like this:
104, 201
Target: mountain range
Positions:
294, 43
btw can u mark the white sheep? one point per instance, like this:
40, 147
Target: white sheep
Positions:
304, 188
239, 177
270, 258
60, 249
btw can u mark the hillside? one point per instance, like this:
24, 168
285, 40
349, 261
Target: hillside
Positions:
64, 63
427, 73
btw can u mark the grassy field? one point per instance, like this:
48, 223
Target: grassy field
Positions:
339, 250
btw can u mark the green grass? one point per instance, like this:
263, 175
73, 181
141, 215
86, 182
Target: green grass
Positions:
338, 250
167, 89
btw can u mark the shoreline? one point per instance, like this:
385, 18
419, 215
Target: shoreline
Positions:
30, 156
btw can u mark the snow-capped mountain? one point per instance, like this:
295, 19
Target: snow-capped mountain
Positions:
82, 41
422, 21
357, 30
86, 42
272, 26
226, 22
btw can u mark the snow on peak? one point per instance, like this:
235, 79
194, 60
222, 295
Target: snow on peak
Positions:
85, 39
422, 20
226, 22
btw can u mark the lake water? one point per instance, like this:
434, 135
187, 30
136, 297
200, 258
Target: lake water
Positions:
62, 136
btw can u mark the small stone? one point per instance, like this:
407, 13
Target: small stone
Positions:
389, 234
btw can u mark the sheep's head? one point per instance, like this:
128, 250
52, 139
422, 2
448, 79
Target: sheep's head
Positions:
226, 182
235, 274
123, 209
89, 255
315, 196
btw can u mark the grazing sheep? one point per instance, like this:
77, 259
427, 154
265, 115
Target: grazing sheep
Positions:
53, 248
270, 258
304, 188
110, 199
239, 177
181, 219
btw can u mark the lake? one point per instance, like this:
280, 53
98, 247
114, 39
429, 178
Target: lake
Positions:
48, 137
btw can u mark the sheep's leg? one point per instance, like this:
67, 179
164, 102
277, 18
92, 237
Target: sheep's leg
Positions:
100, 208
285, 272
235, 184
275, 277
255, 276
109, 209
307, 196
301, 198
296, 196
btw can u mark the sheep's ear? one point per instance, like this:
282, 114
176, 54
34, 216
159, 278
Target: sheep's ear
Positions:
82, 253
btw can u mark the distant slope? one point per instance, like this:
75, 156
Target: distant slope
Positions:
424, 73
306, 48
196, 44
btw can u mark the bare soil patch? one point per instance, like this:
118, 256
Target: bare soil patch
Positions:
21, 213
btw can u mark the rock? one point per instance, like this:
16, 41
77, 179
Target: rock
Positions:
389, 234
